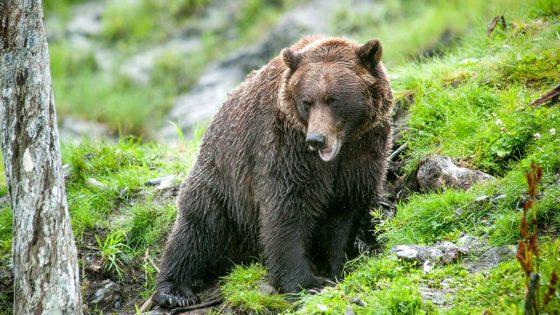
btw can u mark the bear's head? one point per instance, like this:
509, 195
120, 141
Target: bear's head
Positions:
336, 90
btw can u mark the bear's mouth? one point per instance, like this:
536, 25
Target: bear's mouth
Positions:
329, 153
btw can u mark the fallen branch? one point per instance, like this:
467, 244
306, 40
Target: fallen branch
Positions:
147, 305
398, 151
548, 96
182, 309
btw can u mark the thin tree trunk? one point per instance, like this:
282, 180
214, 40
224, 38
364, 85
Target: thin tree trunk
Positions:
45, 263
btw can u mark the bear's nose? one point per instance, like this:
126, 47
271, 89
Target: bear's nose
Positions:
315, 140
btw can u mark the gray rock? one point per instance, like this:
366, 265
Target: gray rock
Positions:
428, 266
415, 253
159, 180
439, 172
497, 254
266, 288
92, 182
74, 130
491, 258
66, 171
139, 68
499, 197
442, 253
451, 252
93, 263
406, 252
105, 295
86, 19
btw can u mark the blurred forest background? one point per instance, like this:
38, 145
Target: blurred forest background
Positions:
136, 82
140, 66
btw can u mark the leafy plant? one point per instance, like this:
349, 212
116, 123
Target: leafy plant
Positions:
113, 251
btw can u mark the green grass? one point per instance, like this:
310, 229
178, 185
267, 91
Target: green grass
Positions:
478, 112
425, 23
434, 215
388, 286
113, 252
5, 232
84, 92
241, 290
149, 224
123, 169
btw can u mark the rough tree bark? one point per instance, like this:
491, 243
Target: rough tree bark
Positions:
45, 263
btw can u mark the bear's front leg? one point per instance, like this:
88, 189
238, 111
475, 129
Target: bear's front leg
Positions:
285, 235
337, 236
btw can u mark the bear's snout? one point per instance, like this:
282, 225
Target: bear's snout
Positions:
315, 141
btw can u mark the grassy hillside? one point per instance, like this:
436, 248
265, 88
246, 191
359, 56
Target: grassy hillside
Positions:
470, 103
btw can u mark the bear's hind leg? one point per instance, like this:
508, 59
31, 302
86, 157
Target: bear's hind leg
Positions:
196, 251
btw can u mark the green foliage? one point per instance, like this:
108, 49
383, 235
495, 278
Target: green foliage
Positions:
58, 6
5, 233
426, 22
149, 224
123, 168
433, 215
380, 286
85, 92
134, 21
113, 251
241, 290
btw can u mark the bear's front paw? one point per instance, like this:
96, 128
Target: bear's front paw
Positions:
320, 284
171, 295
309, 284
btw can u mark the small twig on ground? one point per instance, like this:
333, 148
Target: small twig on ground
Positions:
548, 96
147, 305
210, 303
90, 247
398, 151
497, 20
153, 264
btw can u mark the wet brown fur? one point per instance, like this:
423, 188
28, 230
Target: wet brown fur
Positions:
256, 190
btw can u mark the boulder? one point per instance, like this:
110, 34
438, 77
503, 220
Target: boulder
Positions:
439, 172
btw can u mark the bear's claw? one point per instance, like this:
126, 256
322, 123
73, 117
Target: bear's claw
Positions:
172, 296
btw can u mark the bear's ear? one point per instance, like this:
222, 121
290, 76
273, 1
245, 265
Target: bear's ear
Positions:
291, 58
370, 54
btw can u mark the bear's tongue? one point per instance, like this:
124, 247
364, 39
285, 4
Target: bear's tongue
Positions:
329, 153
326, 154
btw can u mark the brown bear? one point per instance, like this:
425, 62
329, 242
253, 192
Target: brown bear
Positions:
287, 170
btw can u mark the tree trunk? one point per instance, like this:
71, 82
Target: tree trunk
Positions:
45, 263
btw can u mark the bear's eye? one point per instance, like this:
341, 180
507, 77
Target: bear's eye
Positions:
306, 104
331, 99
